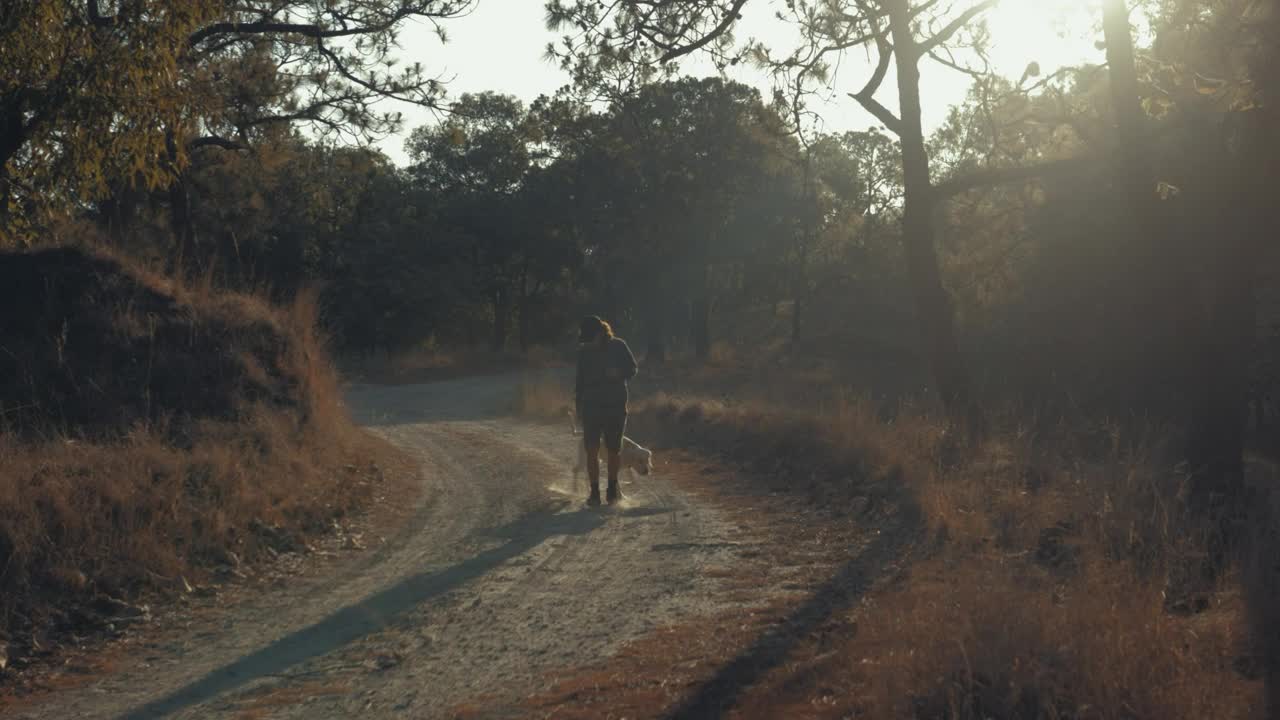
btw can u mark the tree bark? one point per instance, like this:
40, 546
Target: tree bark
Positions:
933, 305
1242, 223
181, 224
1126, 104
12, 138
1215, 442
1162, 314
119, 212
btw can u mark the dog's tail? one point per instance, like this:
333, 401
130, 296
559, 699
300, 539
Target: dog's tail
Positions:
573, 423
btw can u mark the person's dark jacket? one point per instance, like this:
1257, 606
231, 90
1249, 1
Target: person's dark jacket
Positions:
597, 390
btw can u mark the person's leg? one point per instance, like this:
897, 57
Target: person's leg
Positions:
613, 442
614, 493
591, 441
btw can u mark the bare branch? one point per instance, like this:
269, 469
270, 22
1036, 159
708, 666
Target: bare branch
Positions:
882, 113
214, 141
725, 23
924, 8
975, 74
954, 26
346, 25
340, 65
866, 96
265, 28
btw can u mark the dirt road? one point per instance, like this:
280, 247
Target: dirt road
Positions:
500, 579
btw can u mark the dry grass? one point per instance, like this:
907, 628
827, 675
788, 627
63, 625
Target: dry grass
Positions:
1037, 589
975, 637
543, 396
90, 508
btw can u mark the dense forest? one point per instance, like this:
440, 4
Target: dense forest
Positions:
1089, 242
1100, 232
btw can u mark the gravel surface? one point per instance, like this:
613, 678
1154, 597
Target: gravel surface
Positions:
500, 579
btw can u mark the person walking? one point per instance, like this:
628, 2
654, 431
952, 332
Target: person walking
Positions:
605, 365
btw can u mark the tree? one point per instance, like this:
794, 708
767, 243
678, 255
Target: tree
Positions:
478, 161
856, 192
684, 154
99, 101
902, 32
85, 96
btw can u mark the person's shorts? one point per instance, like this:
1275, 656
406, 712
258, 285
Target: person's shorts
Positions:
606, 426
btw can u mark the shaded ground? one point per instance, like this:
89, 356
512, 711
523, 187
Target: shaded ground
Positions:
498, 579
801, 583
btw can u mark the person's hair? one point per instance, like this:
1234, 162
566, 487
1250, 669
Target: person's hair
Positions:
592, 328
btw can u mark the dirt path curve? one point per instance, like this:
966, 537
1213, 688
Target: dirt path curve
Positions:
500, 578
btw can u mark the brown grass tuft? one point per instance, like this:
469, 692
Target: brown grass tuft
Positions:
544, 396
165, 429
1039, 584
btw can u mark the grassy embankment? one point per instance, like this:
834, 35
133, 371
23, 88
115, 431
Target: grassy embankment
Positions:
152, 432
1032, 568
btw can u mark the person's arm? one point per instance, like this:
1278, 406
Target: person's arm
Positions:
577, 388
626, 361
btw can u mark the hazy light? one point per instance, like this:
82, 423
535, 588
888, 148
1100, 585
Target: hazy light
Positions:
500, 47
1052, 32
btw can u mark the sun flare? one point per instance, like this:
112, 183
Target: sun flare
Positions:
1051, 32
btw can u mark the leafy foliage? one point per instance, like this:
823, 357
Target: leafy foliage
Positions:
98, 100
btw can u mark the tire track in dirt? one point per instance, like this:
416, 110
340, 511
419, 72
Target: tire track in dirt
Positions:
499, 578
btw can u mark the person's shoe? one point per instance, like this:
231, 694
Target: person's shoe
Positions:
613, 495
593, 500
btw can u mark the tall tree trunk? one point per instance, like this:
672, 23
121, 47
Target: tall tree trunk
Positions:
501, 314
14, 133
1261, 573
1163, 315
1242, 223
1209, 360
118, 212
933, 305
1215, 441
181, 224
1127, 105
1233, 205
13, 128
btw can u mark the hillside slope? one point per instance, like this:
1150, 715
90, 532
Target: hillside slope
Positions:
150, 432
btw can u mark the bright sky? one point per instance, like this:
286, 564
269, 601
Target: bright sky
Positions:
500, 47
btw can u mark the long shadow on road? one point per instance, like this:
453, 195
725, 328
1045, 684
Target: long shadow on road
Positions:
771, 649
372, 614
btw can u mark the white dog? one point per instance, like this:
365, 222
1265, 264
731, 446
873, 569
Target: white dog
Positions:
635, 458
